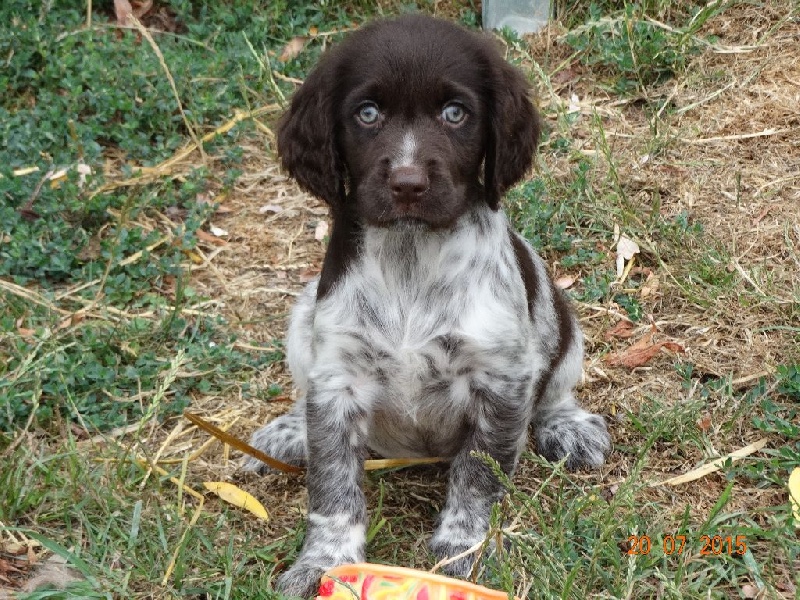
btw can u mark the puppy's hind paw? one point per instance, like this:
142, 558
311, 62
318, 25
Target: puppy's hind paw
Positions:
283, 439
577, 435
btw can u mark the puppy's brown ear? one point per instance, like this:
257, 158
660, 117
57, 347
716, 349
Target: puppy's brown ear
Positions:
307, 137
513, 133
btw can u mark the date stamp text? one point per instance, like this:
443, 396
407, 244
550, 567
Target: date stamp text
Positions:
677, 544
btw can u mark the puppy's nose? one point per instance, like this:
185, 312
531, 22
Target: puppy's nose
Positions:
408, 184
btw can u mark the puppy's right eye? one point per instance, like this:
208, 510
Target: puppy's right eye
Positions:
368, 114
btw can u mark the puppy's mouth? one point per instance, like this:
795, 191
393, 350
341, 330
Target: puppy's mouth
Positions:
408, 224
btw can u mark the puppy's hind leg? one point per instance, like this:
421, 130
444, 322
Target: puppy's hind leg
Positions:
283, 438
562, 428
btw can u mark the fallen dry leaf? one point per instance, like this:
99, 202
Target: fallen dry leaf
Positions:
70, 321
84, 171
622, 330
749, 591
641, 352
56, 177
564, 76
673, 347
238, 497
292, 49
633, 358
704, 423
650, 286
626, 250
794, 495
123, 11
761, 215
209, 238
194, 257
565, 282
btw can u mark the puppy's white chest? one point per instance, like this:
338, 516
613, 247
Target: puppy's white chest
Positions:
430, 364
421, 321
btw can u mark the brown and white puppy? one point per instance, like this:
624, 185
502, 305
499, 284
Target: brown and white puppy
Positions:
433, 329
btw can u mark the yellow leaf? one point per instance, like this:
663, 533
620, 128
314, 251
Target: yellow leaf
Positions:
194, 257
56, 178
794, 494
238, 497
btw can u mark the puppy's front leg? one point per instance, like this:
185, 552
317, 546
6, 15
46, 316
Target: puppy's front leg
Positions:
337, 516
499, 429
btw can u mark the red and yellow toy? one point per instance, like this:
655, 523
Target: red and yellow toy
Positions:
380, 582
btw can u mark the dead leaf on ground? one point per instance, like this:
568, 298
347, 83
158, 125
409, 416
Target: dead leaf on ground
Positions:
749, 591
626, 250
72, 320
565, 282
123, 11
292, 49
238, 497
622, 330
564, 76
704, 422
794, 495
210, 238
641, 352
84, 171
650, 286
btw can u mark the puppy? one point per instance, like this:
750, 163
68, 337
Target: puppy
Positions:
433, 329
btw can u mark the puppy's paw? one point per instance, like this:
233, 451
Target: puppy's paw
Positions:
301, 580
283, 438
461, 568
579, 435
457, 533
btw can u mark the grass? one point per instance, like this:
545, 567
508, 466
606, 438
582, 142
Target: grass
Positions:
120, 306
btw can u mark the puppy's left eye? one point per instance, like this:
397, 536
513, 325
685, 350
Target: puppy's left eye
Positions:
454, 114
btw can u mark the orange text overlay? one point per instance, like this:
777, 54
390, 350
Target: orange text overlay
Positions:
677, 544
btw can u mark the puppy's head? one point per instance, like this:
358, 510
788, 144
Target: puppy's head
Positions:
410, 120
